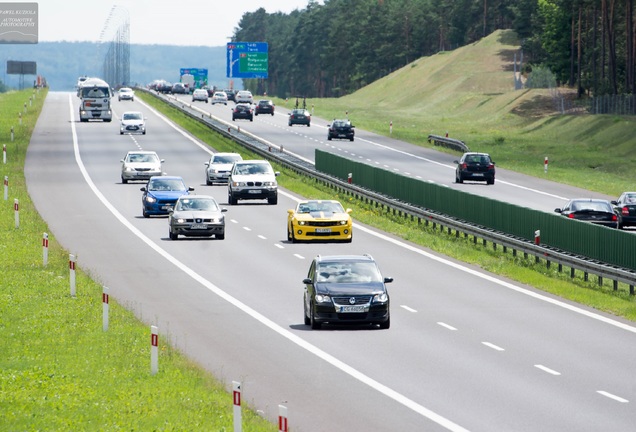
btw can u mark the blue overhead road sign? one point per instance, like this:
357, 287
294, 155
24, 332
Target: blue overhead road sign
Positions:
247, 60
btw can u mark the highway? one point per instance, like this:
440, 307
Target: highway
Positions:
467, 350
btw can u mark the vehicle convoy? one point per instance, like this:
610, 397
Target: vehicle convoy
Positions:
95, 95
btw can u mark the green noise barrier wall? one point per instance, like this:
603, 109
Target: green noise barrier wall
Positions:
598, 243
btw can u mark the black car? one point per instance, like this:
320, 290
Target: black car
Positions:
243, 111
231, 95
625, 207
596, 211
179, 88
299, 116
346, 289
164, 87
264, 106
341, 129
476, 167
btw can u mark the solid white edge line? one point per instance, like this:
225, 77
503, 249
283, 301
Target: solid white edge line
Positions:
354, 373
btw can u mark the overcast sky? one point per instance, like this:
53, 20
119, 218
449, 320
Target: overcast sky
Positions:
162, 22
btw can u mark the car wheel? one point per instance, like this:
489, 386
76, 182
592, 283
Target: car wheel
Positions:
172, 235
121, 133
351, 139
272, 114
143, 133
232, 200
251, 118
124, 181
220, 236
459, 178
145, 213
306, 317
289, 124
132, 100
386, 324
328, 137
490, 182
289, 233
315, 325
208, 182
272, 200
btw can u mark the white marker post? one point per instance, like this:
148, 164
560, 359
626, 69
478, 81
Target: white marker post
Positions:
537, 237
11, 133
71, 266
6, 188
16, 208
45, 249
4, 153
105, 299
236, 395
282, 419
545, 165
391, 128
154, 350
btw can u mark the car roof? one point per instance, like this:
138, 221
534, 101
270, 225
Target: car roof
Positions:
197, 196
364, 257
166, 177
251, 161
141, 152
318, 201
131, 112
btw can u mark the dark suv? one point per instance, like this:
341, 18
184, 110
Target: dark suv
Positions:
299, 116
346, 289
476, 167
264, 106
342, 129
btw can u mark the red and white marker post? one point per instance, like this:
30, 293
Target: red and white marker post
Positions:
16, 208
45, 249
4, 153
105, 300
350, 178
154, 350
71, 266
545, 165
537, 237
282, 419
391, 128
236, 396
6, 188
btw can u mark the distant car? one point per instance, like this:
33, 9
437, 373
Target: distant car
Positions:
252, 179
230, 94
625, 207
196, 216
164, 86
243, 111
299, 116
200, 95
244, 96
219, 97
319, 220
476, 167
341, 129
140, 165
596, 211
161, 193
179, 88
132, 122
126, 93
219, 167
264, 106
209, 90
346, 289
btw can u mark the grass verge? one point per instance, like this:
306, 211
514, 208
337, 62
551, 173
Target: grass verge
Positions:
58, 369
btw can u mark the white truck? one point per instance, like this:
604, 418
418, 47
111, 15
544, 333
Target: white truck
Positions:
188, 81
95, 95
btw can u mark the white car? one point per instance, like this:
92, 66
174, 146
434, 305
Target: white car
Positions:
244, 96
219, 97
132, 121
219, 167
252, 179
126, 93
140, 165
200, 95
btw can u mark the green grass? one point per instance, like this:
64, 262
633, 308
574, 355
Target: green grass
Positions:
58, 369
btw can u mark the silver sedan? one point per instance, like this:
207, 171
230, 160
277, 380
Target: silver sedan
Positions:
196, 216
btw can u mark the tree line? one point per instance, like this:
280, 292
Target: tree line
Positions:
335, 48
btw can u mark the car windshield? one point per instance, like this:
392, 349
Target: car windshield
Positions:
224, 159
348, 272
341, 123
591, 206
317, 206
166, 185
125, 90
143, 157
480, 159
197, 204
253, 168
630, 198
132, 116
95, 92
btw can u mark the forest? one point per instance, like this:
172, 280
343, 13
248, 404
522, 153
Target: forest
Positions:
333, 49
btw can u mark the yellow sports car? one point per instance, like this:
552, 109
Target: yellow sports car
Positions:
319, 220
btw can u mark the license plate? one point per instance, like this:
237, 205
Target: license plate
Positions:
199, 226
254, 191
345, 309
323, 230
478, 175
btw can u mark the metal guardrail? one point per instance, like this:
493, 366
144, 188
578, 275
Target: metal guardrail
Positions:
452, 143
277, 153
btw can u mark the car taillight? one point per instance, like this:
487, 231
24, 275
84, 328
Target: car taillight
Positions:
614, 218
625, 211
571, 216
464, 166
491, 167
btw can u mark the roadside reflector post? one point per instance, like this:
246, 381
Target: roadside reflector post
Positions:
25, 107
537, 237
105, 300
45, 249
390, 127
350, 178
11, 133
6, 188
545, 165
282, 419
16, 208
236, 395
154, 350
20, 118
4, 153
71, 266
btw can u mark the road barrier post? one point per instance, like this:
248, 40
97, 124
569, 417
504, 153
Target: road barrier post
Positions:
45, 249
282, 419
6, 188
16, 208
350, 178
545, 165
105, 301
71, 266
4, 153
236, 395
154, 350
537, 237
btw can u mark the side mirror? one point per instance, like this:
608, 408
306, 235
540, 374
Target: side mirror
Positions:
307, 281
162, 160
206, 163
456, 162
558, 210
290, 212
223, 210
190, 189
122, 161
143, 189
277, 173
388, 279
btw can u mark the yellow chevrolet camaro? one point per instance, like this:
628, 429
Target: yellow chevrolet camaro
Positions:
319, 220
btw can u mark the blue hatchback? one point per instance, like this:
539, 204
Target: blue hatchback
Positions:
161, 193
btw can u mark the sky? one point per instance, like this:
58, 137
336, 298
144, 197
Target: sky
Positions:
161, 22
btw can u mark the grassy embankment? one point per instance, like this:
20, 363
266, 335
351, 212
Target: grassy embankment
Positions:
59, 371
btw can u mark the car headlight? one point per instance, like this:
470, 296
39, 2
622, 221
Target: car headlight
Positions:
381, 298
150, 199
238, 184
180, 220
302, 222
343, 222
129, 169
269, 183
320, 298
